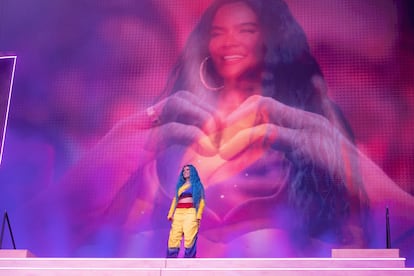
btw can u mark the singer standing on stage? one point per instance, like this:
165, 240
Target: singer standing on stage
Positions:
185, 213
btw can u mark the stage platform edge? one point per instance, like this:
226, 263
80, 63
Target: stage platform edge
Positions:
16, 253
342, 262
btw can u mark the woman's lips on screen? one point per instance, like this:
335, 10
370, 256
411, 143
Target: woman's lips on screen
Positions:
229, 59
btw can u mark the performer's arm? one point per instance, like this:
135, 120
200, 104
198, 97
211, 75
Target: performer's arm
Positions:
201, 208
172, 208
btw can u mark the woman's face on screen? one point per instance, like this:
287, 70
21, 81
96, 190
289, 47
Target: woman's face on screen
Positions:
236, 43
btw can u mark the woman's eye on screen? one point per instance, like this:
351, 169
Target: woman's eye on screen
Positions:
250, 31
216, 33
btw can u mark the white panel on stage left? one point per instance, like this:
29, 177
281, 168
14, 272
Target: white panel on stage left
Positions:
7, 67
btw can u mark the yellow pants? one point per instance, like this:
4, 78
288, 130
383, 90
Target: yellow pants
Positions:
184, 223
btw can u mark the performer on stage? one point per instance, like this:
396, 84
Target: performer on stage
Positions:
185, 213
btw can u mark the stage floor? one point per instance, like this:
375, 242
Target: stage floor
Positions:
342, 262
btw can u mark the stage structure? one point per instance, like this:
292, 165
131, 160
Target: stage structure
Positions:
342, 262
7, 68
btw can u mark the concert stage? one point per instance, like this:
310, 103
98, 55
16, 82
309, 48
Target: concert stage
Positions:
342, 262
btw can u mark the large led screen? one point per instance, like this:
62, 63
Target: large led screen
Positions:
296, 114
